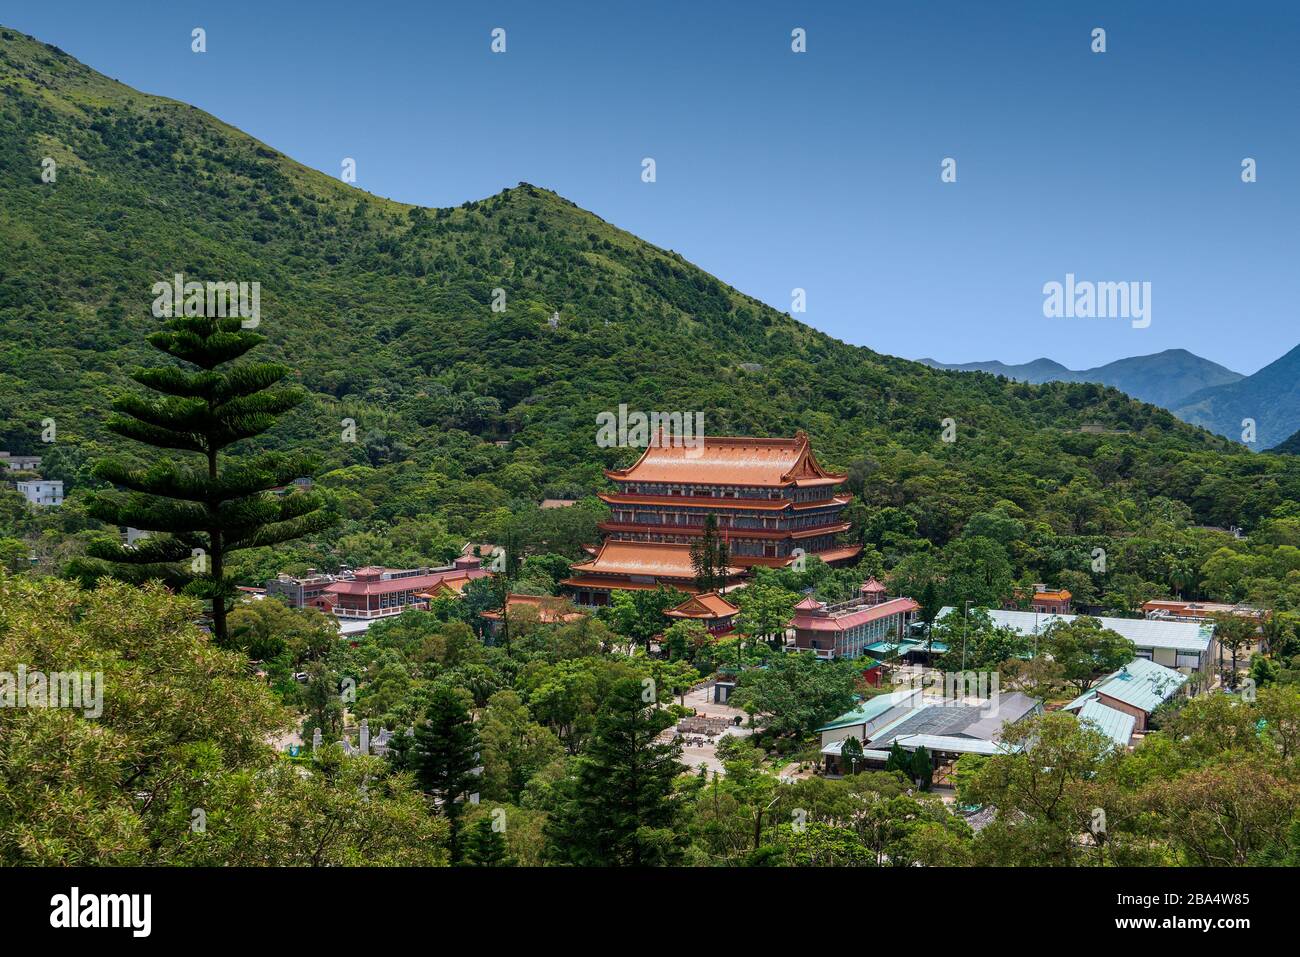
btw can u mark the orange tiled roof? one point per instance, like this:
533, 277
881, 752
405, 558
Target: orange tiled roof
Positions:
650, 559
1060, 594
614, 583
731, 460
705, 605
454, 585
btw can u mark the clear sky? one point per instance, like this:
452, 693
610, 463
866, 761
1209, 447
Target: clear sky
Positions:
818, 170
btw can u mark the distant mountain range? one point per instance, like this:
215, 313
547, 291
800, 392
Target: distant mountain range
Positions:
1196, 390
1290, 447
1163, 379
1271, 397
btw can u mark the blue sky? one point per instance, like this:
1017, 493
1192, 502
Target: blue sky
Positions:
818, 170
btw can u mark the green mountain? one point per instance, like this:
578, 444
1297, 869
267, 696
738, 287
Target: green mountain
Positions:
1165, 378
1289, 447
385, 311
1271, 397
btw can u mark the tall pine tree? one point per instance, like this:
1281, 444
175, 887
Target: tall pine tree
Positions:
710, 556
619, 808
446, 754
201, 512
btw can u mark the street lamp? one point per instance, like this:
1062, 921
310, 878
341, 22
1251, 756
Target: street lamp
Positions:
965, 618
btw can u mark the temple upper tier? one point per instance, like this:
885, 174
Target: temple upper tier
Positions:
769, 497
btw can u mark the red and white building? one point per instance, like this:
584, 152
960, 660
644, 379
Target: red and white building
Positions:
853, 628
379, 592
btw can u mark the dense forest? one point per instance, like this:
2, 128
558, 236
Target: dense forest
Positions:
441, 420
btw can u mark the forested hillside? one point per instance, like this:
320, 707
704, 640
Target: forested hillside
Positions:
466, 417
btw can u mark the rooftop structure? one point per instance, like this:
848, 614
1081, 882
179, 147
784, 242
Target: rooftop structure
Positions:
635, 566
712, 610
873, 590
19, 463
870, 715
1168, 609
979, 721
301, 592
1116, 725
1048, 601
1174, 644
550, 609
947, 728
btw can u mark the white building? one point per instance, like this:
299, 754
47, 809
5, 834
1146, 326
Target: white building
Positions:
1174, 644
42, 491
20, 463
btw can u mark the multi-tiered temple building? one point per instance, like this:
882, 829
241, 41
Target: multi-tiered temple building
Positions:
771, 499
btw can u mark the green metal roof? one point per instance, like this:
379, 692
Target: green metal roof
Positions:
893, 647
871, 709
1140, 683
1116, 725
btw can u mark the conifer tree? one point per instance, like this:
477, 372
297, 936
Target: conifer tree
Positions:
485, 846
710, 556
446, 754
201, 511
922, 768
401, 750
619, 808
899, 760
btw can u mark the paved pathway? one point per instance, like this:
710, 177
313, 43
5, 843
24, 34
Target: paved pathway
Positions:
701, 699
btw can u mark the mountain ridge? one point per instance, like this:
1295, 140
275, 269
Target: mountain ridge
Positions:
1163, 378
1270, 399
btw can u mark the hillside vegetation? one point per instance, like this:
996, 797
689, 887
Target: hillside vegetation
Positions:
466, 417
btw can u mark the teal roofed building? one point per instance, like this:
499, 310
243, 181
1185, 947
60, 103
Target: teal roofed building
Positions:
871, 715
1116, 725
1137, 689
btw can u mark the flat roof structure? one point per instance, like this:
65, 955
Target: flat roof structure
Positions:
1185, 636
